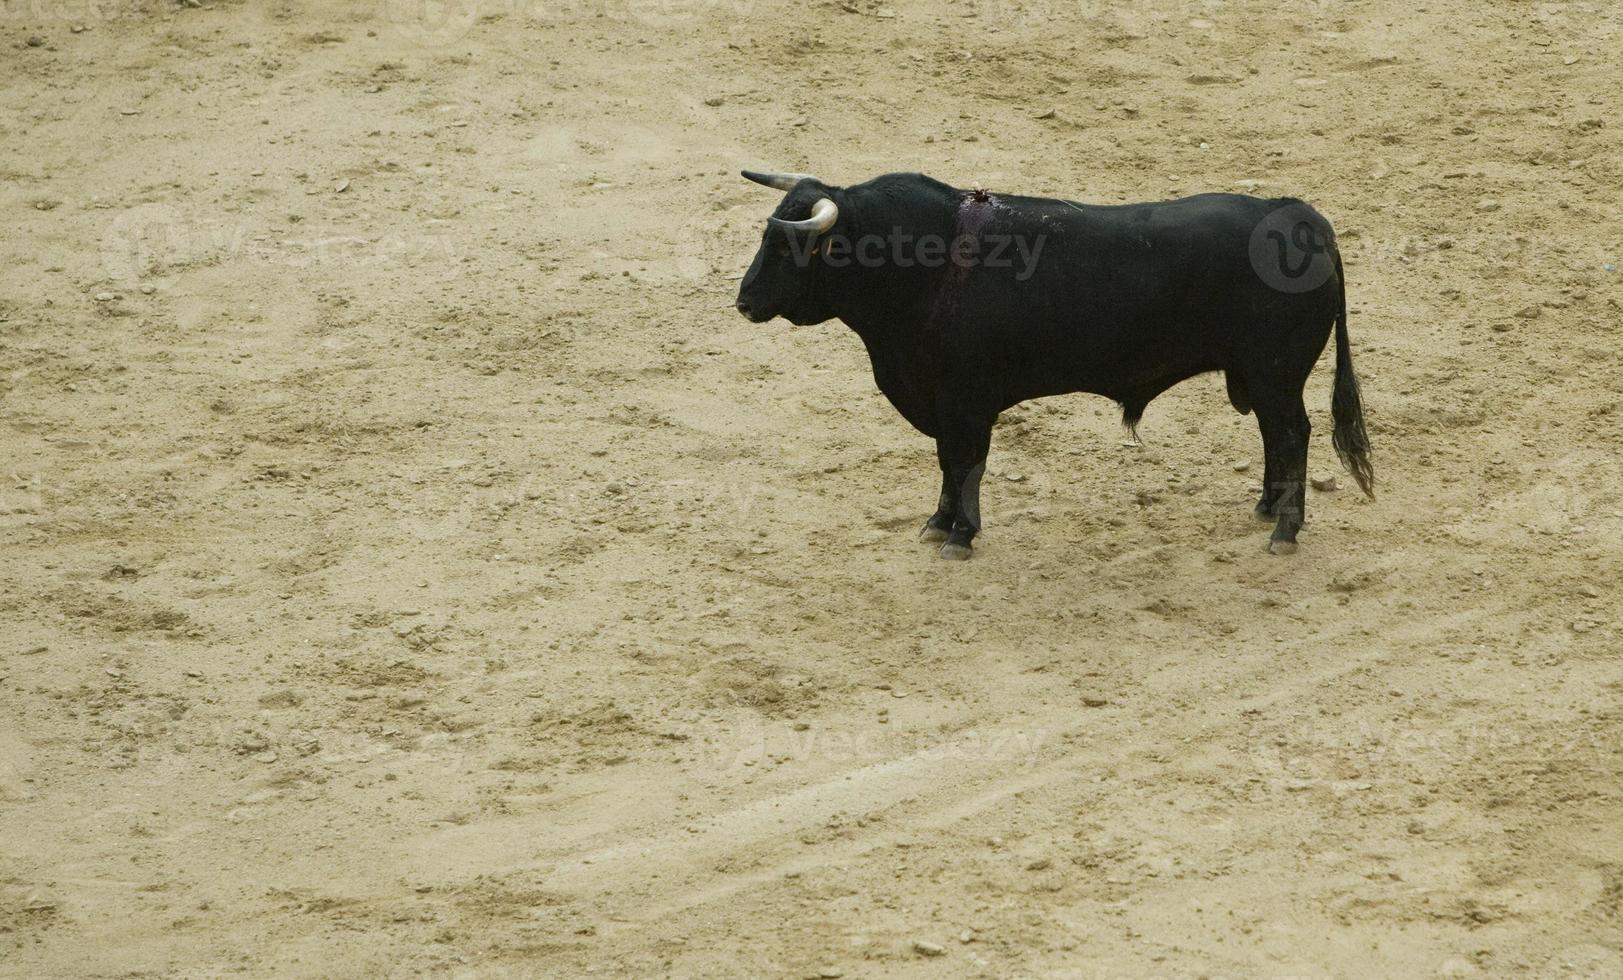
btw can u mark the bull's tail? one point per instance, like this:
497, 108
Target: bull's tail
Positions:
1347, 406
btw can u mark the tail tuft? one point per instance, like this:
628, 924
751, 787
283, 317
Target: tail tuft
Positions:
1347, 406
1131, 413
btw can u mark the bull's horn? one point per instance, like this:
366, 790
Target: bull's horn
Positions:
780, 182
824, 213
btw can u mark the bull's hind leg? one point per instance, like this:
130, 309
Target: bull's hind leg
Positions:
1264, 511
1240, 398
1285, 428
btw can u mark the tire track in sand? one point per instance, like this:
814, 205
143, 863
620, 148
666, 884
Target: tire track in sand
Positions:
670, 870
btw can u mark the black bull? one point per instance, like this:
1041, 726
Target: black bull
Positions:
970, 302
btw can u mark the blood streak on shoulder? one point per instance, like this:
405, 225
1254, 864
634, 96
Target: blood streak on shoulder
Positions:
976, 212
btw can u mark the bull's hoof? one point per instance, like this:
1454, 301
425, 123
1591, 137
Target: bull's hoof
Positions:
956, 552
937, 528
1263, 512
1282, 547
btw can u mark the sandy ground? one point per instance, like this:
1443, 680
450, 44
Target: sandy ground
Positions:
413, 565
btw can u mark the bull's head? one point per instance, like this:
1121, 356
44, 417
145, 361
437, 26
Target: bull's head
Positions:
783, 279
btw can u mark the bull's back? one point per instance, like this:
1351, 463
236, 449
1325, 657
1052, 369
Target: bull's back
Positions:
1120, 297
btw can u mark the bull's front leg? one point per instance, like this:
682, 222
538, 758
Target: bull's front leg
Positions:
939, 525
962, 447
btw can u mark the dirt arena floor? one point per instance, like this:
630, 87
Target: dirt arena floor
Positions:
414, 565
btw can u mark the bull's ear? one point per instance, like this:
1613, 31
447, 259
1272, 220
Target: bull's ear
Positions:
780, 182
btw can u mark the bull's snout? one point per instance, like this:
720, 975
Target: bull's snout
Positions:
750, 312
